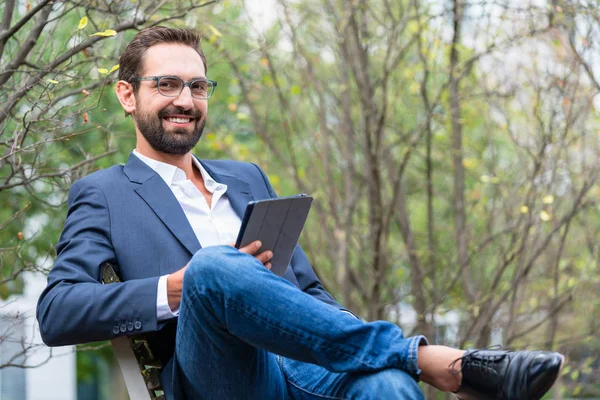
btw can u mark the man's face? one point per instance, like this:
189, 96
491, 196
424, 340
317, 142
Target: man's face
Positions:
171, 125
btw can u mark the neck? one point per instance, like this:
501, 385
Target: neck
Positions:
181, 161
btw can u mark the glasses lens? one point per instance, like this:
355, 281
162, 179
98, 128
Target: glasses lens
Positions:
201, 88
170, 86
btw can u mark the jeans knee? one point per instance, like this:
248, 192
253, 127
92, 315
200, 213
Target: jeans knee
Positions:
207, 261
215, 267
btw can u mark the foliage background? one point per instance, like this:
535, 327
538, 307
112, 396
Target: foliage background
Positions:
451, 147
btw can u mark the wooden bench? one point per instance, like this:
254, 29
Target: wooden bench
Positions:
140, 369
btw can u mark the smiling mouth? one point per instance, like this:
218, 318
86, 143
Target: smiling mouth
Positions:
178, 120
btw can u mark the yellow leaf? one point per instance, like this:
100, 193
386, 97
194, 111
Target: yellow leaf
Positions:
412, 27
106, 33
533, 303
242, 116
524, 209
264, 62
243, 152
51, 81
274, 179
548, 199
103, 70
82, 23
544, 216
232, 107
575, 375
114, 68
215, 31
414, 88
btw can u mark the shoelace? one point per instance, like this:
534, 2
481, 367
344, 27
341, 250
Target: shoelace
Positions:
468, 359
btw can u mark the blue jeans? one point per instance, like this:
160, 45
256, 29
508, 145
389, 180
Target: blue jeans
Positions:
245, 333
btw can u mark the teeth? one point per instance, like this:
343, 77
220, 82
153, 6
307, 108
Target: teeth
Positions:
178, 120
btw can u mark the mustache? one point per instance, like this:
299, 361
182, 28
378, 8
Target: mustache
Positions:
196, 114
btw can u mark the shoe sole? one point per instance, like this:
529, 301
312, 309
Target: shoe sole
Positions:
545, 389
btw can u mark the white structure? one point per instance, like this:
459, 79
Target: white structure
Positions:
54, 378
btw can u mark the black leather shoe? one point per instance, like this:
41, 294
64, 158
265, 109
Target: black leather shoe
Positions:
507, 375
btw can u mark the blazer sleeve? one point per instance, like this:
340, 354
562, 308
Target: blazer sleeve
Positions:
76, 307
307, 279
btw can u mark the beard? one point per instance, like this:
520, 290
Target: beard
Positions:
178, 141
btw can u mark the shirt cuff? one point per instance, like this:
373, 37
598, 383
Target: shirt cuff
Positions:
163, 311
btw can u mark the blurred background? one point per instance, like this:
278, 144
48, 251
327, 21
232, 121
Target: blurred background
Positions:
452, 148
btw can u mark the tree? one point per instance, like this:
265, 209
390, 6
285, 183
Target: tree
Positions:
446, 175
57, 60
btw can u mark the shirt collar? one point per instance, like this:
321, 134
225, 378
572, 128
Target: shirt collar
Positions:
171, 174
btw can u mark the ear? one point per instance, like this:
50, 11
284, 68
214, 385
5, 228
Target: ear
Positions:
126, 96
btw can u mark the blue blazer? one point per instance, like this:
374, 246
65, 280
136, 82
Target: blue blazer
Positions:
127, 215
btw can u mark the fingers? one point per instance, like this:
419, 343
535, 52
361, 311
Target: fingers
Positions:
263, 257
251, 248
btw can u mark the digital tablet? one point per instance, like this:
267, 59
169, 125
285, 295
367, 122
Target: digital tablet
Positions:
277, 223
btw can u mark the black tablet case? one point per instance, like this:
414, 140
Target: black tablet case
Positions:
277, 223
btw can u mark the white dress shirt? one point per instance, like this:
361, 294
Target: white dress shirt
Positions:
213, 224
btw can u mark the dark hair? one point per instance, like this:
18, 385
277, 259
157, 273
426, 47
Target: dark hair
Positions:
131, 61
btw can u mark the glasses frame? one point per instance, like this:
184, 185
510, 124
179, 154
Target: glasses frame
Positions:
184, 84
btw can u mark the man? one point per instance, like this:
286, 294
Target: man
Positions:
226, 327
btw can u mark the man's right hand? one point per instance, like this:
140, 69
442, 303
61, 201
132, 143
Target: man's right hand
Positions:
175, 280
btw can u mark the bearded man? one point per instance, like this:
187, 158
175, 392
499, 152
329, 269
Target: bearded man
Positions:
221, 322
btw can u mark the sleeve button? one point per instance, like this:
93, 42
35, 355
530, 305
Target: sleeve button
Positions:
123, 328
116, 329
137, 325
130, 326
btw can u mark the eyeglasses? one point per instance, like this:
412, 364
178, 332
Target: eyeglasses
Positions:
172, 86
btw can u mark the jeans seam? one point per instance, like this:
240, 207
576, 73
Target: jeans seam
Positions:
323, 396
280, 364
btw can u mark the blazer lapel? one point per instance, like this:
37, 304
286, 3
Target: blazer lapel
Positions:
155, 192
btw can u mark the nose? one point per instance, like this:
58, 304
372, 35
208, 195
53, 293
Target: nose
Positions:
185, 99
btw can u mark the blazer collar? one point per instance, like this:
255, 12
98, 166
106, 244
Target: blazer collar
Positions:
157, 194
137, 171
238, 190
